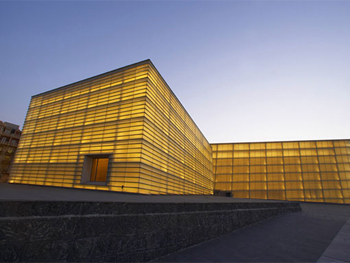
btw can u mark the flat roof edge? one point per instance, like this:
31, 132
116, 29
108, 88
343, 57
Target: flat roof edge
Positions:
146, 61
319, 140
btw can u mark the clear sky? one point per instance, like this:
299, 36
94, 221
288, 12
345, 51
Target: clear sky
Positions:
244, 70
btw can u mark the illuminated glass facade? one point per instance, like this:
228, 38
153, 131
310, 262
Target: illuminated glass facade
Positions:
315, 171
124, 131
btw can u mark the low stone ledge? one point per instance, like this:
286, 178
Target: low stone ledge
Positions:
56, 208
110, 232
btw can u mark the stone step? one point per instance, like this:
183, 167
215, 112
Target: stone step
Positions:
123, 232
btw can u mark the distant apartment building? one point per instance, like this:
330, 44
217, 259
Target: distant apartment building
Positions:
9, 138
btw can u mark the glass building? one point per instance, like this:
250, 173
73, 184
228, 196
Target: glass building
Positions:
314, 171
126, 131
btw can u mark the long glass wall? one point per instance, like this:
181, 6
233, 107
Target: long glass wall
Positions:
315, 171
113, 122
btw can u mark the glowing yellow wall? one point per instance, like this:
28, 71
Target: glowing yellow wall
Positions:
177, 157
119, 114
315, 171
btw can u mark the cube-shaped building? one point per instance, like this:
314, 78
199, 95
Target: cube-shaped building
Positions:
123, 131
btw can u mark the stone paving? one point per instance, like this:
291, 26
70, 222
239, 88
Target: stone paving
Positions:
319, 233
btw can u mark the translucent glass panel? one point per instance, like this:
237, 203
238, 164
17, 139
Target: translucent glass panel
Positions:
177, 151
316, 171
129, 114
100, 115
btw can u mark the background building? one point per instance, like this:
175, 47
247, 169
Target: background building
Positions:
315, 171
9, 138
124, 130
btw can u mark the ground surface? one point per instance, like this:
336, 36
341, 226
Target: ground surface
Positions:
37, 193
294, 237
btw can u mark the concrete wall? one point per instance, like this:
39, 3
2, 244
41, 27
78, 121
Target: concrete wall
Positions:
123, 232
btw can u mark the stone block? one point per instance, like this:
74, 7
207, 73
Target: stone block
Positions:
11, 252
107, 231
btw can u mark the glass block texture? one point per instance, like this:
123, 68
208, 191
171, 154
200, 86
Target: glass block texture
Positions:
312, 171
129, 114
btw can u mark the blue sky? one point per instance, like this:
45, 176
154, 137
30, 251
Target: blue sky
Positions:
244, 70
